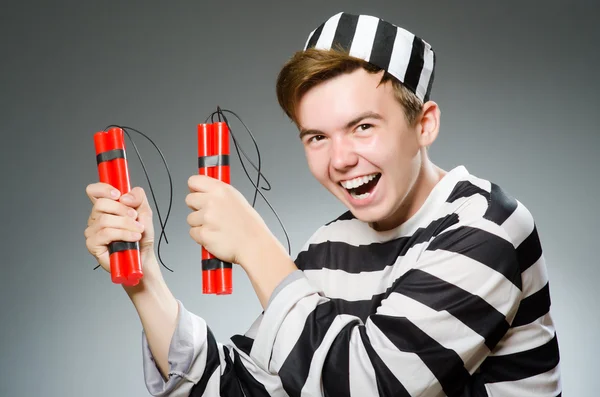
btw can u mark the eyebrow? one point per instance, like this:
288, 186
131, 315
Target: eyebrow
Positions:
351, 123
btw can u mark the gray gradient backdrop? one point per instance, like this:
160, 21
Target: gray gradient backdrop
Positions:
516, 81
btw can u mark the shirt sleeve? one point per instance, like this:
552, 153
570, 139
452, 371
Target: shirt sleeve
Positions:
201, 366
437, 323
295, 275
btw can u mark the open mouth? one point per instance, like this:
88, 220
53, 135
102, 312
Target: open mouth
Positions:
361, 188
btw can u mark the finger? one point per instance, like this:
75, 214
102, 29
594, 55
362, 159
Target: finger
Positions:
108, 206
116, 222
96, 250
196, 201
99, 190
202, 183
195, 219
198, 234
133, 198
108, 235
137, 199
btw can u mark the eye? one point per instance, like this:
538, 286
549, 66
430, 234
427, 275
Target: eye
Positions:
364, 127
315, 138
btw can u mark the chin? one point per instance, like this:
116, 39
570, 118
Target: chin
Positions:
366, 214
373, 217
374, 213
374, 209
381, 215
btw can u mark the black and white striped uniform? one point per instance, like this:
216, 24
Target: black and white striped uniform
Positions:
453, 302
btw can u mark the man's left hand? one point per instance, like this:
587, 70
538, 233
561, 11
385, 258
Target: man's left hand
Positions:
223, 221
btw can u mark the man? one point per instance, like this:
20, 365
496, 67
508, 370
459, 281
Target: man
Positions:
432, 283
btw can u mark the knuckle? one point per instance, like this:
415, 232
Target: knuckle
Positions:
196, 233
128, 223
91, 243
110, 234
190, 201
88, 245
101, 204
102, 220
137, 191
105, 233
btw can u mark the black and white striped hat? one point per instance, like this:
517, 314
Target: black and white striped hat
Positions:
405, 56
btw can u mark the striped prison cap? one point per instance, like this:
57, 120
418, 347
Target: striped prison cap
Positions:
405, 56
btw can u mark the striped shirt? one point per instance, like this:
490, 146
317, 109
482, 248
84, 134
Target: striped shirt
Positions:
454, 302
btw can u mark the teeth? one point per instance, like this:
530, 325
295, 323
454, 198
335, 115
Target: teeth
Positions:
360, 196
356, 182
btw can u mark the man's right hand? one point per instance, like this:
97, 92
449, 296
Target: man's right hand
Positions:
119, 218
113, 218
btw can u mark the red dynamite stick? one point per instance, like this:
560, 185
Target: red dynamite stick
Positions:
223, 283
204, 148
125, 261
213, 161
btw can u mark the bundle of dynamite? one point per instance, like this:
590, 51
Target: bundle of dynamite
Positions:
213, 161
125, 261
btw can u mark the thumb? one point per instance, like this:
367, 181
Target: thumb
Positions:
147, 241
138, 200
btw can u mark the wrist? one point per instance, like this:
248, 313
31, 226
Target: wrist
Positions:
151, 289
267, 264
158, 311
254, 250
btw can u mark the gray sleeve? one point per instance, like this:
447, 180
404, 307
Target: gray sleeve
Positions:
181, 354
289, 279
190, 353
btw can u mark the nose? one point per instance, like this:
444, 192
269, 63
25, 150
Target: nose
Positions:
342, 154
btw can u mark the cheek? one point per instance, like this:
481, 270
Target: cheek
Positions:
317, 164
388, 153
397, 157
398, 151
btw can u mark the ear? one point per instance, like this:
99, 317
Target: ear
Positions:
429, 124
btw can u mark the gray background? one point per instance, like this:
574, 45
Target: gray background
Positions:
516, 81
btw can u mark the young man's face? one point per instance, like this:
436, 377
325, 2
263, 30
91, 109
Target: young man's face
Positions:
360, 147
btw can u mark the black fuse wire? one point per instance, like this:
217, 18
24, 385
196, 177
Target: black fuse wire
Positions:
162, 224
220, 114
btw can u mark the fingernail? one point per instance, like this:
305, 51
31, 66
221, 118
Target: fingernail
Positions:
132, 213
139, 225
127, 197
114, 193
